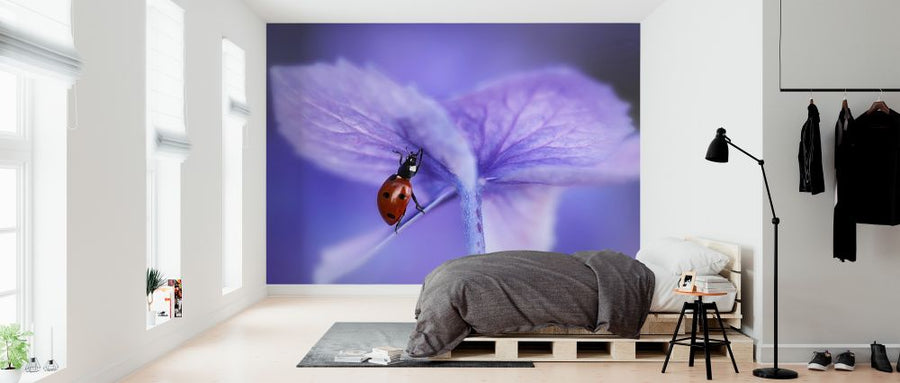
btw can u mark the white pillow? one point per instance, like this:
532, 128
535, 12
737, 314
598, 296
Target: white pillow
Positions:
665, 300
677, 256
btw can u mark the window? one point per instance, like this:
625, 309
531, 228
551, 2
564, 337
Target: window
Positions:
15, 158
38, 66
9, 105
167, 141
234, 120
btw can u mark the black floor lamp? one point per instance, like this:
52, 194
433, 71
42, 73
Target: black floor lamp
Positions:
718, 152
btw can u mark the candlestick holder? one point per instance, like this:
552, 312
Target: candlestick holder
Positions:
32, 366
51, 366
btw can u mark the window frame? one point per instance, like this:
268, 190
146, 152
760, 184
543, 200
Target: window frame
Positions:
16, 153
234, 125
167, 144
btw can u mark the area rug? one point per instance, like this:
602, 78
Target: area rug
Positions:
366, 335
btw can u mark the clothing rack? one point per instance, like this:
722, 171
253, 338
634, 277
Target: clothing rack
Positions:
815, 90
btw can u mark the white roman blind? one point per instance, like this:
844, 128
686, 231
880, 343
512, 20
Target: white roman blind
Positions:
36, 36
234, 73
165, 76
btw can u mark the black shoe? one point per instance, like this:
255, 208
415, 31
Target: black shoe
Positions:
880, 361
820, 361
846, 361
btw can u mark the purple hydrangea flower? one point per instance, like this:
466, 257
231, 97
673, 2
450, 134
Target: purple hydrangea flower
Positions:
505, 149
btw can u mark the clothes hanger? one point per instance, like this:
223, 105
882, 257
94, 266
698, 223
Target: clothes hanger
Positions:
879, 105
844, 106
811, 98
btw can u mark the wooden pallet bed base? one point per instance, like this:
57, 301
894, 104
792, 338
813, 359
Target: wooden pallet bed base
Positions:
591, 348
579, 345
656, 324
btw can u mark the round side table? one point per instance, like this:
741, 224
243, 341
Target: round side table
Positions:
699, 311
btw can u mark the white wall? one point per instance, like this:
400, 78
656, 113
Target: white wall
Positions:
106, 199
825, 303
822, 26
701, 69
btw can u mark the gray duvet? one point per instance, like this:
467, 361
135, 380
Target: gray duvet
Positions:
519, 291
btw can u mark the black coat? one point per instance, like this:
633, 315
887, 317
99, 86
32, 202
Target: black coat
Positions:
868, 177
844, 224
809, 156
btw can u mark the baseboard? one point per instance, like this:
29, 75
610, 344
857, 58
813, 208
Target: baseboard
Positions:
802, 353
172, 339
344, 290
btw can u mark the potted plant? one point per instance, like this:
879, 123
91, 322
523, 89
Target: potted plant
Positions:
155, 280
13, 353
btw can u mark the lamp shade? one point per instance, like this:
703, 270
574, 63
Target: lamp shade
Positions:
718, 148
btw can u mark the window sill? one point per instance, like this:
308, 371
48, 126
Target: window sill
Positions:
228, 290
29, 377
159, 321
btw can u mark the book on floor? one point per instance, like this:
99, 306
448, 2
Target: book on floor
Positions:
387, 351
351, 356
385, 355
383, 361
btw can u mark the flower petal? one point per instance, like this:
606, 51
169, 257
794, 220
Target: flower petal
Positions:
553, 126
520, 217
347, 256
348, 120
350, 254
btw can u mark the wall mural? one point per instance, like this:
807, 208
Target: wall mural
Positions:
392, 148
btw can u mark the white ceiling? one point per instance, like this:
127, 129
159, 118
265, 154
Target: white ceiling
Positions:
461, 11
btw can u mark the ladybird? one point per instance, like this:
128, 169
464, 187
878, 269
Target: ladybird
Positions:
396, 191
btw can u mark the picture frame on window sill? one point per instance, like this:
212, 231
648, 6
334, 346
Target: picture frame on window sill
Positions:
686, 282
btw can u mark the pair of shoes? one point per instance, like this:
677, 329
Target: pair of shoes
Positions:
880, 360
846, 361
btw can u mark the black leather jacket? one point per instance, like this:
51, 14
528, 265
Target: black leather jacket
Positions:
809, 156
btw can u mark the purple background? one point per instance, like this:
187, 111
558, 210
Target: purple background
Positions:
308, 209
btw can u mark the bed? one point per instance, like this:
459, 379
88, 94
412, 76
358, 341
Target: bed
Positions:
662, 320
624, 320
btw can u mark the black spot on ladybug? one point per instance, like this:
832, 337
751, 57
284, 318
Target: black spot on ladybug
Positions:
391, 216
402, 196
386, 195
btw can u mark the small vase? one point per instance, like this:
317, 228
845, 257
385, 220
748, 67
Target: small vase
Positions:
151, 320
10, 376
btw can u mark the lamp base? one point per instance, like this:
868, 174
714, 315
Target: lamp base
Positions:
775, 373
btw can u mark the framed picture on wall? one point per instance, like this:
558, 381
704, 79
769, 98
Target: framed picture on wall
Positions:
686, 282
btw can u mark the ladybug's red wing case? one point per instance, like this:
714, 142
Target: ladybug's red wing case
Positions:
393, 196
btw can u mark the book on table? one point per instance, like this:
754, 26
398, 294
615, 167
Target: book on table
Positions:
713, 284
716, 287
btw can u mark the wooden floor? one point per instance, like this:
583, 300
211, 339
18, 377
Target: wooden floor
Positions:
264, 343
